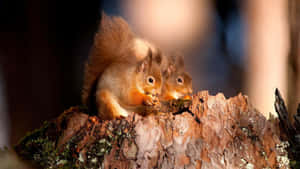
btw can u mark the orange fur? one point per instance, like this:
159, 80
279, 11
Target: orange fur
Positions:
115, 78
168, 96
112, 43
136, 97
172, 70
108, 106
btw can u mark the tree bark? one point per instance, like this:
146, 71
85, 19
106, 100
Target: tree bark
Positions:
212, 132
290, 129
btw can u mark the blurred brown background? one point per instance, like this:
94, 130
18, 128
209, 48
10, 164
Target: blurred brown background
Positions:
42, 48
230, 46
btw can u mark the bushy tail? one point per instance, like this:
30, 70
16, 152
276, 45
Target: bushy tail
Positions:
112, 43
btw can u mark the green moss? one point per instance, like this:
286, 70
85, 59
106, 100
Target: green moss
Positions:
295, 164
39, 147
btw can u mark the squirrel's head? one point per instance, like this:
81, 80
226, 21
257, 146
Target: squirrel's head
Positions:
149, 77
177, 82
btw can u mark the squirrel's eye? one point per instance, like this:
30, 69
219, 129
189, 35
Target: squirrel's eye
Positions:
150, 80
179, 80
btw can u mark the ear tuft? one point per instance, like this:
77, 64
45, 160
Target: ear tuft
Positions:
149, 57
141, 66
147, 62
158, 58
179, 60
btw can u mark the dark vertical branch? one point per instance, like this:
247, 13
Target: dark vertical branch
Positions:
289, 131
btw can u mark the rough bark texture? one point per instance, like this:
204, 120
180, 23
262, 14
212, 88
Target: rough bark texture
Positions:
290, 129
223, 133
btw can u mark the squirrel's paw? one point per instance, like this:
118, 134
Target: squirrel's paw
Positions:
151, 100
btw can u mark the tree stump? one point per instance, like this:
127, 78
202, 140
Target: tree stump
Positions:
211, 133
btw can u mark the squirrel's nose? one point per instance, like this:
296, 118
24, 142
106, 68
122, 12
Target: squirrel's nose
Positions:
187, 97
153, 93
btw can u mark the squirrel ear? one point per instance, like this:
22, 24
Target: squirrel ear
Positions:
144, 64
158, 58
171, 68
149, 57
168, 72
141, 66
179, 61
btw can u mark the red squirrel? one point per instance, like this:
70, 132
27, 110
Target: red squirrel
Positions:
177, 82
118, 80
